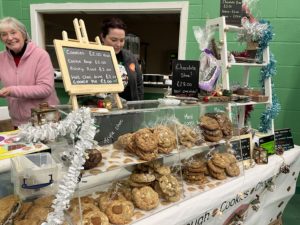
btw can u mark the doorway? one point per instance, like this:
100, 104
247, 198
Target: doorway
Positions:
160, 26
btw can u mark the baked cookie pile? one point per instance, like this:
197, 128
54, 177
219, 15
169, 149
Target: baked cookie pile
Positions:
158, 177
34, 212
186, 135
216, 126
222, 165
146, 143
195, 171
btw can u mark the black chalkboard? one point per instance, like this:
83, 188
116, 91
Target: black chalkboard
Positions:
90, 66
185, 78
284, 139
232, 10
245, 152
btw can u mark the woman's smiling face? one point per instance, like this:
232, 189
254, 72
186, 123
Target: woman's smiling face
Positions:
13, 39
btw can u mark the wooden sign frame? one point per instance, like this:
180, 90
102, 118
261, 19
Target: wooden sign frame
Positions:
86, 88
82, 42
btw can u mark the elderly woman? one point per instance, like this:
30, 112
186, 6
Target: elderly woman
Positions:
26, 73
113, 32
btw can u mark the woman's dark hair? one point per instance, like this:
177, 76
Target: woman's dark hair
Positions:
113, 22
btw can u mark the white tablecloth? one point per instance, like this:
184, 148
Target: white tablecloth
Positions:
229, 197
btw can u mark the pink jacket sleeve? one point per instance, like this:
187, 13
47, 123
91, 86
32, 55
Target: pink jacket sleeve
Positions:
42, 76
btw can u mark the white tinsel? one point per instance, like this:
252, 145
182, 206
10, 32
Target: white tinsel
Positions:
80, 126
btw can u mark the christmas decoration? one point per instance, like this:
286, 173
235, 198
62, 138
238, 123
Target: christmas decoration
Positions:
80, 126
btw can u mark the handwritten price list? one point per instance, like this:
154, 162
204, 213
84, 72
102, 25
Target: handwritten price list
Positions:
88, 66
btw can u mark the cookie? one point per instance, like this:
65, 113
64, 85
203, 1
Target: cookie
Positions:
123, 141
27, 222
166, 139
147, 156
25, 207
219, 176
95, 217
38, 212
94, 157
224, 122
169, 185
120, 212
108, 197
209, 123
142, 177
213, 167
212, 138
145, 198
232, 170
220, 160
45, 201
145, 140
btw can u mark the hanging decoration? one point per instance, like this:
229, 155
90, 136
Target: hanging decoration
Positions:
80, 126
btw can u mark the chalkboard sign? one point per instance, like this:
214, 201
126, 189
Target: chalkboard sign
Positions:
242, 147
232, 10
88, 68
185, 78
284, 139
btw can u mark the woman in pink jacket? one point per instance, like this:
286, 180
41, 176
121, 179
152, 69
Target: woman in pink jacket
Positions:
26, 72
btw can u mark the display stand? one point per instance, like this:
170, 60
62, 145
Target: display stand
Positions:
87, 67
223, 29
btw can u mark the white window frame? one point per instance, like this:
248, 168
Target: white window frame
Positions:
37, 23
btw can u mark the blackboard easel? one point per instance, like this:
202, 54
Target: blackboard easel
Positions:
87, 67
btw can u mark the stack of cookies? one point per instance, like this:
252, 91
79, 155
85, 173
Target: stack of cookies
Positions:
143, 143
146, 143
194, 171
164, 183
166, 139
211, 129
34, 212
186, 135
224, 122
216, 126
222, 165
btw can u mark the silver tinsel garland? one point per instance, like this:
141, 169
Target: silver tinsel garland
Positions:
80, 126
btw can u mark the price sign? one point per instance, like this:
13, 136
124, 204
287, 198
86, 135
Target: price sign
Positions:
284, 139
232, 10
88, 68
185, 78
242, 147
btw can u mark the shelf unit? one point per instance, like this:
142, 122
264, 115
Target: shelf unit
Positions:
220, 25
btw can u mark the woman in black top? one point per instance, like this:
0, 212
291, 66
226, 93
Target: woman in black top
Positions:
113, 32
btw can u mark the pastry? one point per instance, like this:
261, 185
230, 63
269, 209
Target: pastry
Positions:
38, 212
95, 217
123, 141
169, 185
145, 140
27, 222
145, 198
233, 170
120, 212
142, 177
166, 139
25, 207
209, 123
9, 206
44, 201
108, 197
94, 157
